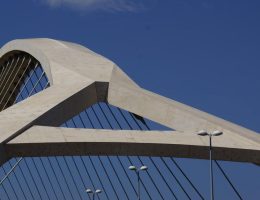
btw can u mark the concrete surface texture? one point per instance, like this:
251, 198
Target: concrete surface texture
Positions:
80, 78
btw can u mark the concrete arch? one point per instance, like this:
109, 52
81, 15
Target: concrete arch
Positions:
21, 45
81, 78
73, 57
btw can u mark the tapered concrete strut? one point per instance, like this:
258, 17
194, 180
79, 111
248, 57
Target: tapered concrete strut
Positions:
80, 78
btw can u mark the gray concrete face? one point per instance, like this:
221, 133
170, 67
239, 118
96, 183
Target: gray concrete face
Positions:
49, 141
172, 113
80, 78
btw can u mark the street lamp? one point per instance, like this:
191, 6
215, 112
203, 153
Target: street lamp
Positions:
142, 168
96, 192
212, 134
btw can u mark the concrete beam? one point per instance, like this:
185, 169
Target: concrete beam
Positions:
172, 113
52, 141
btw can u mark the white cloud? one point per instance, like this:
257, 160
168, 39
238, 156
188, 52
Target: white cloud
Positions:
106, 5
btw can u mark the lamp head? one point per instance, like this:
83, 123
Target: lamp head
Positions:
216, 133
202, 133
98, 191
132, 168
144, 168
89, 191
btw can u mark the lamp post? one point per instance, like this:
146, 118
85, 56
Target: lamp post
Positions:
142, 168
212, 134
96, 192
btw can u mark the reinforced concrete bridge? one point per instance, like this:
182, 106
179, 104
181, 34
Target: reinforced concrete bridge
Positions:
72, 119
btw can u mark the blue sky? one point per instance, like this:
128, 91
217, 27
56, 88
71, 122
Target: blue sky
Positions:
203, 53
